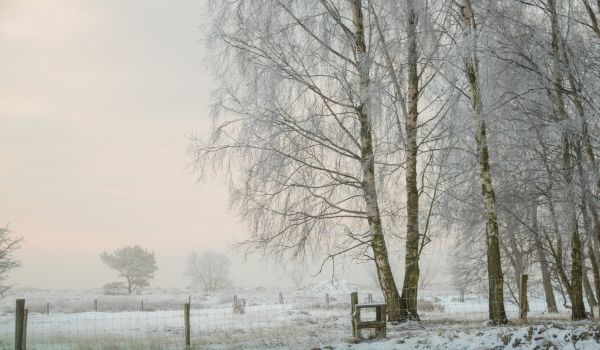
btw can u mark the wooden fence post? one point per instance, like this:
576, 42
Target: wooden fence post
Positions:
280, 298
19, 323
327, 300
353, 301
186, 316
25, 329
523, 303
47, 308
96, 305
381, 315
142, 305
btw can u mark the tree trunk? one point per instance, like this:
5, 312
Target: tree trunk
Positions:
411, 267
546, 278
497, 313
595, 271
575, 293
586, 208
384, 271
516, 257
578, 307
576, 285
589, 293
558, 258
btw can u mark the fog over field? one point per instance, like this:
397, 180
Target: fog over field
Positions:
98, 101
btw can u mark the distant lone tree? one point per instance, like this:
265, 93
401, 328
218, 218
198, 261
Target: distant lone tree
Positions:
8, 245
133, 263
209, 271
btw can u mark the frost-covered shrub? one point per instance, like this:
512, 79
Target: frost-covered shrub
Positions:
115, 288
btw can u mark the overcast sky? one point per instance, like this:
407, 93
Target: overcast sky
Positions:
97, 102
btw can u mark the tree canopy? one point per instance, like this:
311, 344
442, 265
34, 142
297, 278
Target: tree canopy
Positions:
134, 263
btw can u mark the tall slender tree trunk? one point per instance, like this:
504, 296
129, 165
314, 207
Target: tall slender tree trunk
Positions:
576, 284
557, 253
589, 203
578, 311
411, 269
516, 255
595, 271
380, 254
591, 227
589, 293
497, 312
578, 307
546, 277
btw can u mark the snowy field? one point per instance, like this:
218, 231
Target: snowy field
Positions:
303, 321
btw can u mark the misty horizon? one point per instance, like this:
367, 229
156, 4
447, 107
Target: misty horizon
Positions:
98, 102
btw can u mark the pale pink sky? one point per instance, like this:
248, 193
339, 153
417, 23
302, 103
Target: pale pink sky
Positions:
97, 100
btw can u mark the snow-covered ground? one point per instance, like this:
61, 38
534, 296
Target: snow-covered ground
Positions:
425, 335
303, 321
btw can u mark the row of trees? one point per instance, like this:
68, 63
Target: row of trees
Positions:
207, 271
349, 125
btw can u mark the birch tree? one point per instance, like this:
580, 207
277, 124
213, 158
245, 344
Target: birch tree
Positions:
574, 285
301, 129
411, 270
495, 275
410, 34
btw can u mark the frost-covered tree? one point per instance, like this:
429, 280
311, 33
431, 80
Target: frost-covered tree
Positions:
301, 120
134, 263
350, 126
8, 245
208, 270
469, 45
323, 131
538, 71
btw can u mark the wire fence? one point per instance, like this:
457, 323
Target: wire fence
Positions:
270, 321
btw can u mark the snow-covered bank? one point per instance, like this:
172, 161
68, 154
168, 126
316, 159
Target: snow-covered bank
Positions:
555, 336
